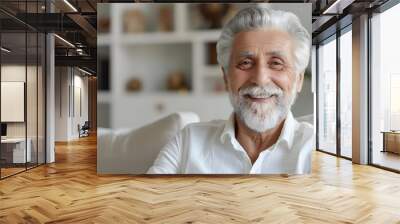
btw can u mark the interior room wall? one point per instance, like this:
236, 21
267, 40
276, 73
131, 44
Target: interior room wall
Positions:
79, 117
17, 73
61, 103
68, 82
305, 100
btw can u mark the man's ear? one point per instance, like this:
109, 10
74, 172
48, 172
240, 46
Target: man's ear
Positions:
225, 78
299, 80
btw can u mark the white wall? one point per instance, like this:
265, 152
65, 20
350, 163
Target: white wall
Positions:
80, 83
68, 83
61, 104
12, 73
304, 104
34, 124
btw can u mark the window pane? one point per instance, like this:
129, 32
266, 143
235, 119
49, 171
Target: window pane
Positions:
386, 89
346, 94
31, 99
15, 150
327, 97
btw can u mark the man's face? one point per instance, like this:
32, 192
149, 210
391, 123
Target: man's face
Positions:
262, 80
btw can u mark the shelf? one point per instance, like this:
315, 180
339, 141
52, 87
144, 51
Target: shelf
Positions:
168, 37
136, 18
154, 67
202, 16
205, 35
151, 56
153, 38
157, 95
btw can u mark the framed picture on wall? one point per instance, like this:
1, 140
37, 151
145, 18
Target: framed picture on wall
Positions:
12, 101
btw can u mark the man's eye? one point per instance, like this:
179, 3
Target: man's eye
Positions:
277, 65
245, 64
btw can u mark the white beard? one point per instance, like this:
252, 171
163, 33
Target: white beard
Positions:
261, 117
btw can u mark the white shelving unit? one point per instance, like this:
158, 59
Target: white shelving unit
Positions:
150, 56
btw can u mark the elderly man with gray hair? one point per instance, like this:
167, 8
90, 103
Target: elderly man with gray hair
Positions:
263, 54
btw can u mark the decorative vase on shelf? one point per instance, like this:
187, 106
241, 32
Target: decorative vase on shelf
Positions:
213, 14
134, 21
176, 82
103, 25
165, 19
134, 85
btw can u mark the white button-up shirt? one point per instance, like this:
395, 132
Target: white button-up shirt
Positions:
212, 148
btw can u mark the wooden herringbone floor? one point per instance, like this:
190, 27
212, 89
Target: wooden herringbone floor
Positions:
69, 191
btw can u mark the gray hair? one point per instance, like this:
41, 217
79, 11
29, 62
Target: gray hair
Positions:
258, 18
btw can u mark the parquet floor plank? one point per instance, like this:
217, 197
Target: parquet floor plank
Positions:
70, 191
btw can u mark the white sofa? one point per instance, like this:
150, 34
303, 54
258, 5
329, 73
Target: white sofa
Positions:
132, 151
309, 118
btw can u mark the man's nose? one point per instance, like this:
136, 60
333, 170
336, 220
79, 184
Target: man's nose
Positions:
261, 75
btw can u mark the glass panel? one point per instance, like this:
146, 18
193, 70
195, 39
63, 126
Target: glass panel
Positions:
13, 87
386, 89
346, 94
31, 98
327, 96
31, 86
23, 89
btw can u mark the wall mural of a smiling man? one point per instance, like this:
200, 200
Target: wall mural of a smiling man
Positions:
263, 54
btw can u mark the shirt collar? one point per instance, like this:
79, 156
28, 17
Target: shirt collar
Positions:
229, 128
289, 127
287, 133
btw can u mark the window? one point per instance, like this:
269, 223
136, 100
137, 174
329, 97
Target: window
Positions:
327, 96
346, 75
385, 89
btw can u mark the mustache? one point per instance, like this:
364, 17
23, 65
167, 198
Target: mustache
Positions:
261, 91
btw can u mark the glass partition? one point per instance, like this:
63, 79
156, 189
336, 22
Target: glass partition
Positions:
385, 89
31, 99
23, 91
327, 96
346, 93
13, 108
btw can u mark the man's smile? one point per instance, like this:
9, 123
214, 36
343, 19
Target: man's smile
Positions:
260, 98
